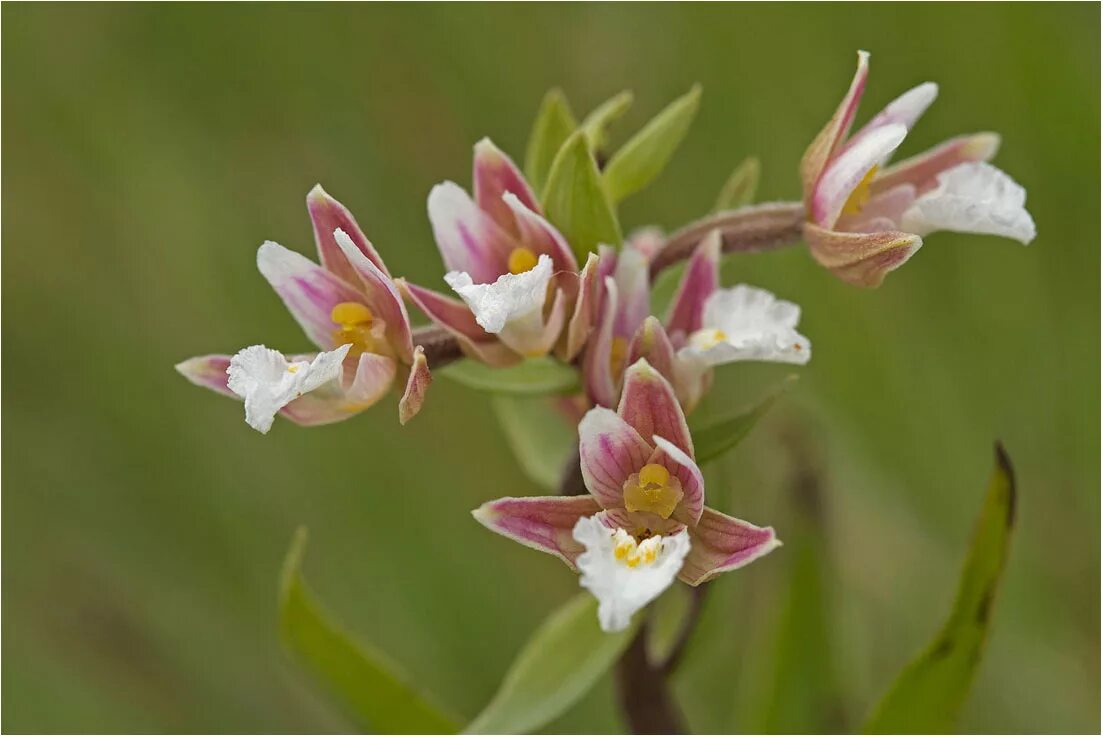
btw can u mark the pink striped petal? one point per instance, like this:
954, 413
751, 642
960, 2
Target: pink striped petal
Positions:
539, 522
721, 543
847, 170
888, 206
540, 236
367, 380
609, 451
327, 215
834, 133
494, 175
308, 290
208, 372
922, 170
583, 314
417, 384
652, 344
601, 385
382, 296
649, 405
861, 259
455, 317
701, 279
688, 473
469, 240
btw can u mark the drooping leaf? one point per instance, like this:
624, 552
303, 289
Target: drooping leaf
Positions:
541, 375
539, 436
741, 187
641, 159
373, 691
929, 693
719, 437
553, 125
562, 660
575, 200
596, 125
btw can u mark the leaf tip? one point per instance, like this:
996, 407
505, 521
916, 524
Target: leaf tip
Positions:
1004, 467
292, 562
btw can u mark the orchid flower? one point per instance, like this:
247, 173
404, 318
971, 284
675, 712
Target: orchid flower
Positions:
350, 308
706, 326
866, 219
514, 272
645, 521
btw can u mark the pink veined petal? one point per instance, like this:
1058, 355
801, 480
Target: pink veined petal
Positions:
469, 240
582, 316
609, 451
834, 133
367, 380
689, 475
721, 543
649, 405
308, 290
847, 170
861, 259
888, 206
327, 215
652, 344
904, 110
208, 371
539, 522
922, 170
494, 175
455, 317
538, 235
601, 385
632, 521
633, 292
417, 384
382, 296
701, 279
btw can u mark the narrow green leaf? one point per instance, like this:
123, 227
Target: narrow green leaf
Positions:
596, 125
719, 437
575, 200
540, 437
377, 697
641, 159
741, 187
543, 375
929, 693
562, 660
553, 125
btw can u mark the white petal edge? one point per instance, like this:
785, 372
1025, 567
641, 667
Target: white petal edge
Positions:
744, 323
267, 381
974, 197
622, 591
513, 297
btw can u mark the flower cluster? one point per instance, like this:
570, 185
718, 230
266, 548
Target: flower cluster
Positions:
524, 290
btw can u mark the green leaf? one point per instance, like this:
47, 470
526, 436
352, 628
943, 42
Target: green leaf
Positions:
929, 693
540, 437
641, 159
377, 697
740, 189
596, 125
543, 375
553, 125
575, 200
719, 437
562, 660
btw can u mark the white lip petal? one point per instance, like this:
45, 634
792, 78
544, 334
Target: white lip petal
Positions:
622, 590
974, 197
267, 381
512, 297
744, 323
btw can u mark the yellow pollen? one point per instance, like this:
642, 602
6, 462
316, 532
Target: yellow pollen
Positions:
860, 196
653, 490
521, 260
706, 338
632, 551
354, 325
293, 368
618, 351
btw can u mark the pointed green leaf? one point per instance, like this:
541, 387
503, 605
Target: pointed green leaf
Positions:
929, 693
561, 662
740, 189
641, 159
541, 375
553, 125
596, 125
376, 696
540, 437
575, 200
719, 437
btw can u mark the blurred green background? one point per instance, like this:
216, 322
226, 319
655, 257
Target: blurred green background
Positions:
150, 149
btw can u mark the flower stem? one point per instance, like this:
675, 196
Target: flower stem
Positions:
644, 691
440, 347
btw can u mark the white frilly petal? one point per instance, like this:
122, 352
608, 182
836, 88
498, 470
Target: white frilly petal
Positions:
744, 323
621, 590
267, 381
975, 197
513, 297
